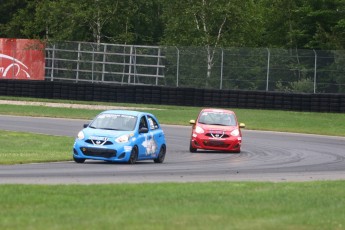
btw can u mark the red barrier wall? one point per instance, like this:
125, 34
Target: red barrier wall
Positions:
21, 59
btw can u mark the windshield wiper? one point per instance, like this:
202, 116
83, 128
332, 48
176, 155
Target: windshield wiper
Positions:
109, 129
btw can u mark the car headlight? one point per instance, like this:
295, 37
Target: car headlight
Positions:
198, 129
81, 135
235, 132
122, 139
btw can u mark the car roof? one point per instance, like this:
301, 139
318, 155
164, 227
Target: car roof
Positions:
217, 110
126, 112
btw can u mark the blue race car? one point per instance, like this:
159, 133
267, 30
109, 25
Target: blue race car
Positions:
121, 136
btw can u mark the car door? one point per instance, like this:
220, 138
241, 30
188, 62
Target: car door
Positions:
143, 139
157, 136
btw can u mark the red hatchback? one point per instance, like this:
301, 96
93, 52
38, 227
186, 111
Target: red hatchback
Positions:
216, 129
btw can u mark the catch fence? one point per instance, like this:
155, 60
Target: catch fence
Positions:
257, 69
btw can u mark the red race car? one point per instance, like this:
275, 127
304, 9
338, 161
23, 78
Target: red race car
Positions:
216, 129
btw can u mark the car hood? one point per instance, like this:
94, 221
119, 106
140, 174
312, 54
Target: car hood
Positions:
217, 127
104, 133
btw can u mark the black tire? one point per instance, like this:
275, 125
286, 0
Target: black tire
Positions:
78, 160
134, 156
191, 149
161, 155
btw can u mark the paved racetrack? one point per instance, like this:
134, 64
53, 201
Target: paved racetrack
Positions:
265, 156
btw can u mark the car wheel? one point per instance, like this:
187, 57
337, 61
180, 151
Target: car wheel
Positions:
191, 149
134, 156
161, 155
78, 160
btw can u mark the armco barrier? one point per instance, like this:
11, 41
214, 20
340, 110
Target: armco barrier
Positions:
174, 96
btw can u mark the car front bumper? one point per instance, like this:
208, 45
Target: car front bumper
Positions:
222, 144
114, 153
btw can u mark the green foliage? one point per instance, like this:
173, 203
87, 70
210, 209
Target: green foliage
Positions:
262, 23
210, 23
304, 24
304, 85
7, 11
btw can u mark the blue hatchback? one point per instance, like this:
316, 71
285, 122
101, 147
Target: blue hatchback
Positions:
121, 136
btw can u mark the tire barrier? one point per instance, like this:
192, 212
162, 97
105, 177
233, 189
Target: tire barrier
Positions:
141, 94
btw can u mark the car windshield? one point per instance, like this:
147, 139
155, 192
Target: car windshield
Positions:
217, 118
114, 122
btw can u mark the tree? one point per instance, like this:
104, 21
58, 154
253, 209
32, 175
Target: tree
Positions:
129, 22
209, 23
311, 24
326, 23
10, 25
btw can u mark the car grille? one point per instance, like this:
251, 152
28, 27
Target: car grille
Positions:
214, 135
97, 152
212, 143
93, 142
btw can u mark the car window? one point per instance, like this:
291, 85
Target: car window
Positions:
228, 119
217, 118
143, 123
153, 123
114, 122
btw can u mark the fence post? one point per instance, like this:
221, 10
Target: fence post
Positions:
124, 65
130, 64
93, 64
221, 70
268, 67
177, 65
315, 63
104, 60
77, 75
158, 62
53, 61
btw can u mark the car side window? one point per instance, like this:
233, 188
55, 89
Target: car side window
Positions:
143, 123
153, 123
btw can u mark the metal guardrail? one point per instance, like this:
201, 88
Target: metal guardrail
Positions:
309, 71
107, 63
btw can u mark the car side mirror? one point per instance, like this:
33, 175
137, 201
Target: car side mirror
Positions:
85, 125
192, 122
242, 125
143, 130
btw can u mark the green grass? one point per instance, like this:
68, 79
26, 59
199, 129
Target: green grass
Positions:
214, 205
274, 120
21, 147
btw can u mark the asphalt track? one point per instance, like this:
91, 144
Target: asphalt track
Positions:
265, 156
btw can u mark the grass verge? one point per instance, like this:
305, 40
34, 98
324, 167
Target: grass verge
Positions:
21, 147
214, 205
274, 120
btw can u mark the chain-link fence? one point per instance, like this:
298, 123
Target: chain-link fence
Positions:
309, 71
